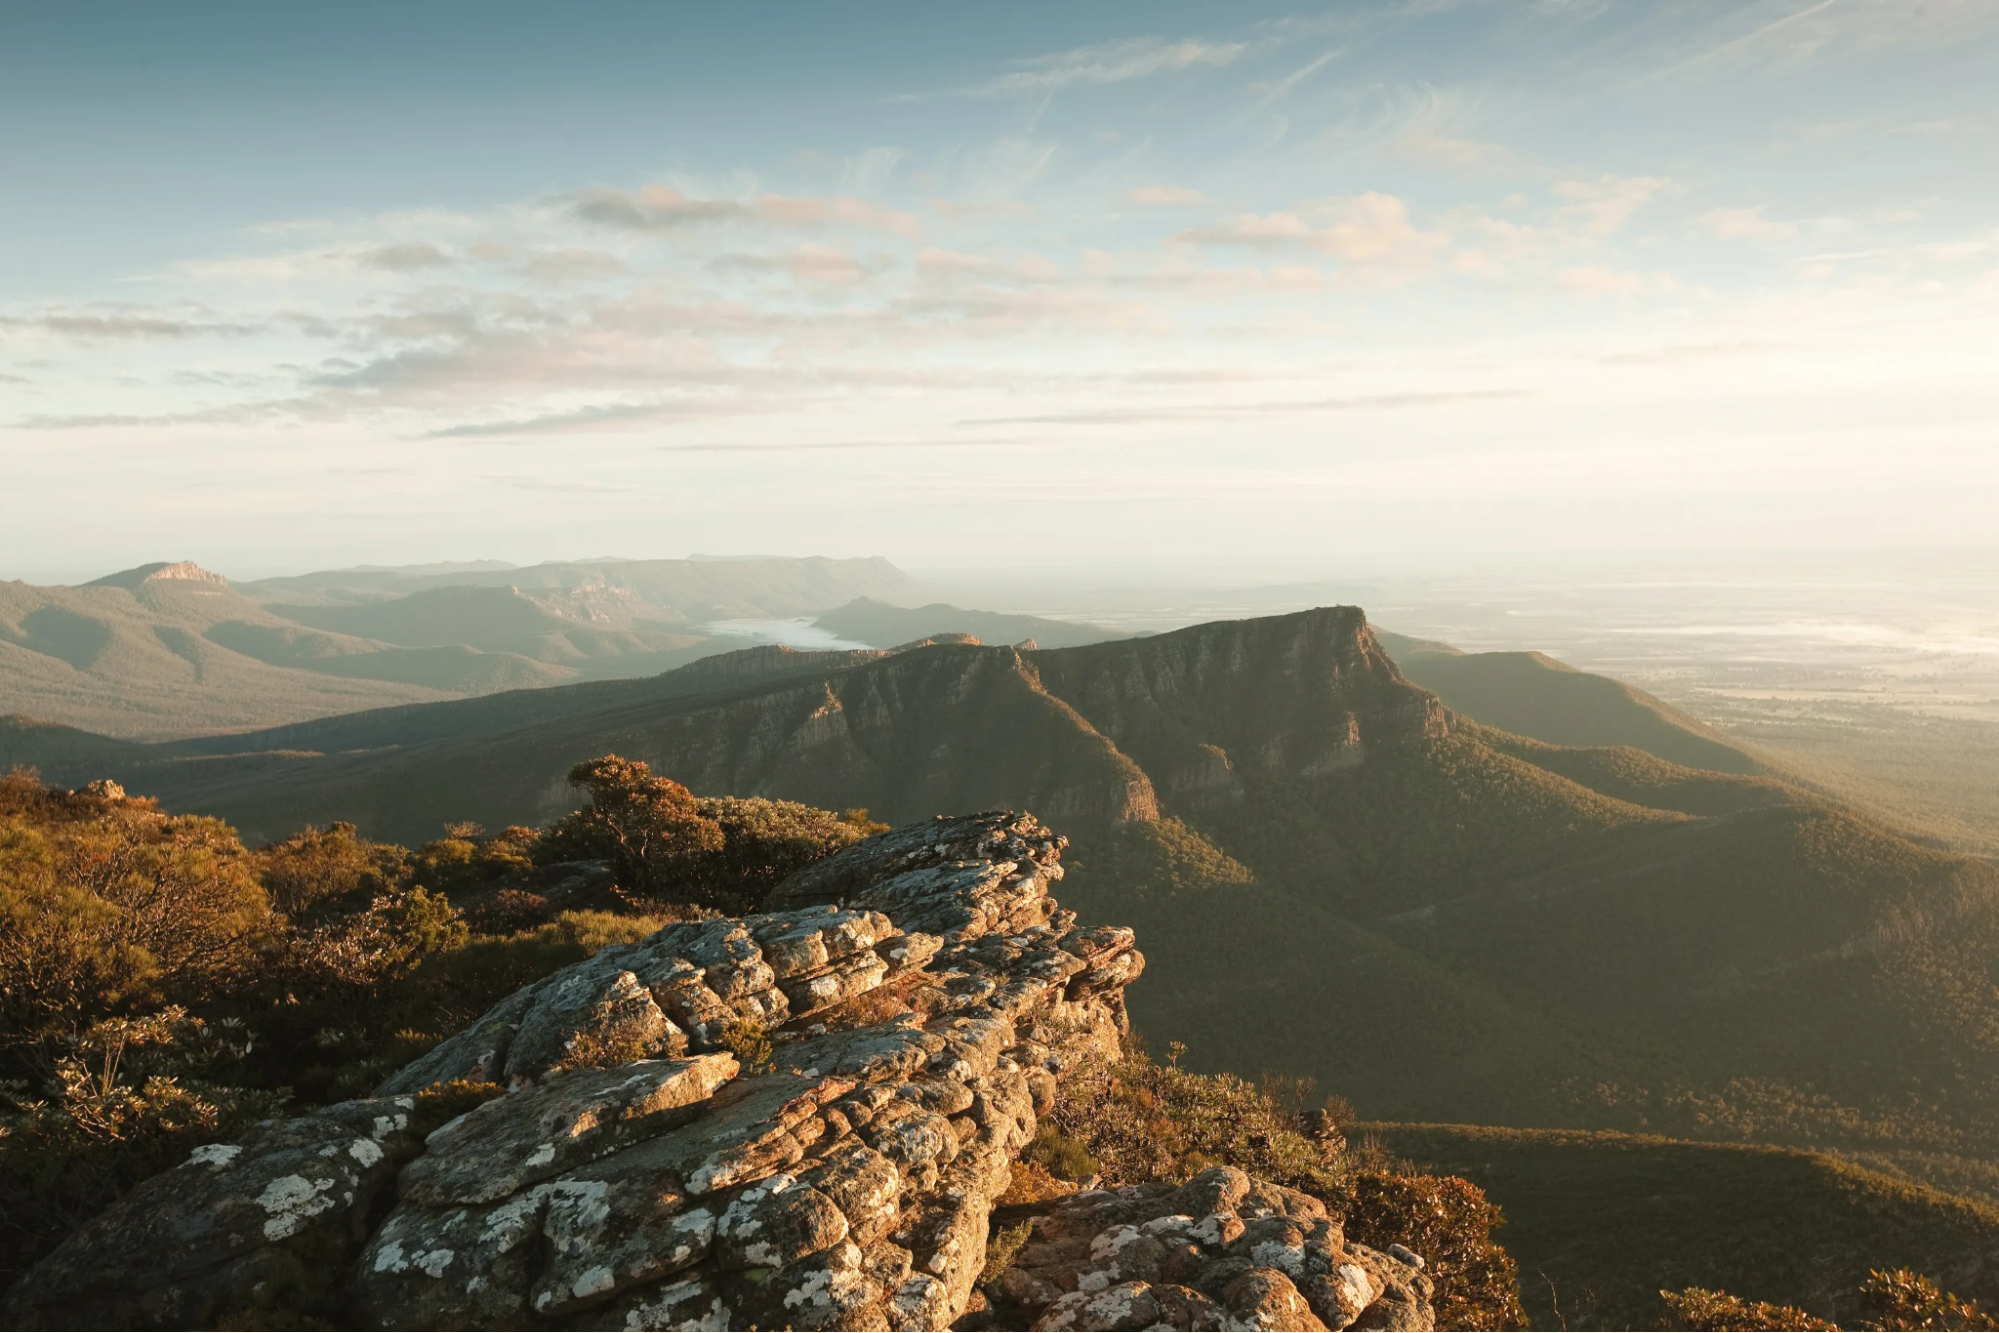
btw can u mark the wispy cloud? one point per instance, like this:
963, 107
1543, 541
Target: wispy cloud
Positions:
842, 446
1378, 402
659, 208
572, 264
1745, 224
405, 258
1105, 63
818, 264
1605, 205
562, 485
1596, 280
1370, 230
1165, 196
591, 418
126, 326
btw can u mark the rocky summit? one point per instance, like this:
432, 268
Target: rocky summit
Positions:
800, 1119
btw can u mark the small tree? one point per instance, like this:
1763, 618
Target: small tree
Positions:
650, 829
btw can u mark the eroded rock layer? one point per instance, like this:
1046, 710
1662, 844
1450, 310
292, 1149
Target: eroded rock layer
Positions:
800, 1119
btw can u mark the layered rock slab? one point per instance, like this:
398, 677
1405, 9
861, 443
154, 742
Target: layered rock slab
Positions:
848, 1184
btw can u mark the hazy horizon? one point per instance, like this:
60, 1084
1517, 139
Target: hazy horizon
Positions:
1040, 286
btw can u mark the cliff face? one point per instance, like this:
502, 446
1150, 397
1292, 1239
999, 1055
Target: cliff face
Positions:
1301, 695
926, 993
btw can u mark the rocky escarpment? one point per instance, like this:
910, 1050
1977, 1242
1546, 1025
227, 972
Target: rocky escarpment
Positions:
660, 1161
1300, 695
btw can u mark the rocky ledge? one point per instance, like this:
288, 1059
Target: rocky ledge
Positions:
800, 1119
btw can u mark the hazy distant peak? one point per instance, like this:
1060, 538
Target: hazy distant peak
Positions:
160, 571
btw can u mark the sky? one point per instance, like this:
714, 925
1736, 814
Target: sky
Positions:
1116, 285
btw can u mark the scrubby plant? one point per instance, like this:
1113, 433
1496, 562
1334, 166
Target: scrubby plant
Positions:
1900, 1299
319, 866
751, 1043
1700, 1309
1448, 1221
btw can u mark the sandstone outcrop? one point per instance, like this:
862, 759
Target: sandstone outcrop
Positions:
799, 1119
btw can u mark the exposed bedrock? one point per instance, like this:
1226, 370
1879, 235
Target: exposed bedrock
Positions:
923, 992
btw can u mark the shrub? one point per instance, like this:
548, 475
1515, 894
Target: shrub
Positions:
1004, 1243
762, 842
465, 858
1141, 1120
1061, 1156
1698, 1308
750, 1042
1898, 1299
1450, 1222
648, 828
669, 847
115, 906
317, 866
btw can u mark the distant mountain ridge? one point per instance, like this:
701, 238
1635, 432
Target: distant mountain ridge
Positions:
170, 649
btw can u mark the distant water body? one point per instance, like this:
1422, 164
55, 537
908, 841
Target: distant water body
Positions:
800, 632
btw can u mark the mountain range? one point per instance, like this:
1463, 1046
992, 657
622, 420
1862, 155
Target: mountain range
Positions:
169, 649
